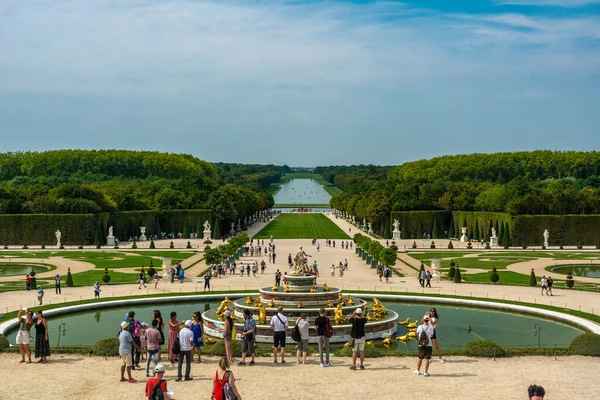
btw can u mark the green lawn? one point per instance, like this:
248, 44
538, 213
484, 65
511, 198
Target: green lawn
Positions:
302, 226
334, 191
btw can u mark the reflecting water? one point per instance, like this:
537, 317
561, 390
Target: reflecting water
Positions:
504, 328
590, 271
302, 191
22, 269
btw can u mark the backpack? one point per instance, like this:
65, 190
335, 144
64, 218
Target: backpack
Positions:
328, 329
176, 349
296, 337
423, 338
228, 393
157, 393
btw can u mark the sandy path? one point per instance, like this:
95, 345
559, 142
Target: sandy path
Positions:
385, 378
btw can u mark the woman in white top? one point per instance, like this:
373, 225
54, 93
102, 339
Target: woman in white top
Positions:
303, 344
434, 320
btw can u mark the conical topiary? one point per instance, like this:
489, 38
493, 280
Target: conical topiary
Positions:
152, 244
457, 278
450, 245
420, 229
106, 276
69, 280
451, 231
532, 280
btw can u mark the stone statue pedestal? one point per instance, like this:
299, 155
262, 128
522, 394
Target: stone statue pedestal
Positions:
397, 235
436, 264
110, 241
143, 235
207, 235
493, 241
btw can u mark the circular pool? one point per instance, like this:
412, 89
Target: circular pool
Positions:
505, 328
21, 269
584, 270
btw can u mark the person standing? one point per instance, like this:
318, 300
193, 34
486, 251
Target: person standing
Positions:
161, 325
40, 294
279, 323
321, 322
428, 278
315, 268
248, 337
158, 381
186, 344
303, 344
198, 335
57, 284
358, 334
174, 327
181, 275
228, 334
42, 345
435, 318
153, 344
422, 277
97, 290
27, 282
155, 278
274, 255
24, 334
125, 345
263, 265
332, 270
278, 278
222, 376
380, 273
426, 347
207, 279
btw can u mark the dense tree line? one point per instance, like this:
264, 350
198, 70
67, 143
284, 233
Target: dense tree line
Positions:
538, 182
251, 176
94, 181
355, 178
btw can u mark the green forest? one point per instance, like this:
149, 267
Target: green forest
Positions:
521, 183
100, 181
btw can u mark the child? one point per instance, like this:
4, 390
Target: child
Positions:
143, 340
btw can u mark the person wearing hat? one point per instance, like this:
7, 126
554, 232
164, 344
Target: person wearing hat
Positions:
158, 381
426, 350
186, 345
358, 334
125, 350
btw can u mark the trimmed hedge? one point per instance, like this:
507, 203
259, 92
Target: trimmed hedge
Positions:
483, 348
3, 343
78, 229
587, 344
106, 347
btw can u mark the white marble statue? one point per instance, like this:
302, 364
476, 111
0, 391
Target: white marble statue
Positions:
206, 226
464, 237
58, 236
396, 225
546, 236
110, 231
493, 232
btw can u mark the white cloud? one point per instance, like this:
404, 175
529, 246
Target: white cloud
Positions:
545, 3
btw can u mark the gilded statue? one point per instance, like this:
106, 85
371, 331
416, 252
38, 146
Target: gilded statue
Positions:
350, 301
325, 287
262, 313
275, 288
313, 289
271, 304
223, 307
338, 315
300, 304
286, 288
249, 300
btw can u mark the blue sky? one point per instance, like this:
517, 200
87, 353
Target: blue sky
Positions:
301, 83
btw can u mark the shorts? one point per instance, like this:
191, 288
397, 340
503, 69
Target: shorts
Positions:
434, 336
279, 339
227, 337
303, 345
359, 344
126, 359
425, 352
543, 286
248, 346
23, 337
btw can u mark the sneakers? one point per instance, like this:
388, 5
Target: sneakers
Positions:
362, 367
321, 365
242, 364
352, 367
131, 380
416, 372
252, 363
426, 374
442, 360
330, 364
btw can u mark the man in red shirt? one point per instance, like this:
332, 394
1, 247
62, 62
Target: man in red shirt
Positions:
159, 374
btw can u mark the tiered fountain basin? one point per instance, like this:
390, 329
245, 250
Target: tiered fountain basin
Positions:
312, 302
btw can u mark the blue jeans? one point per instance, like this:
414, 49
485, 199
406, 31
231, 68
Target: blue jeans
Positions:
152, 355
